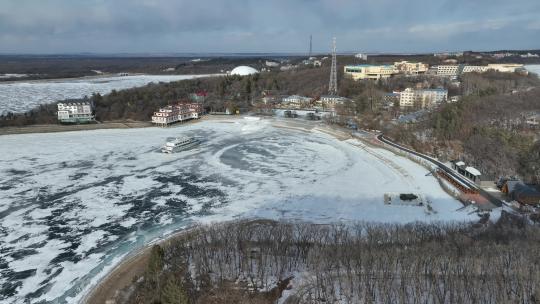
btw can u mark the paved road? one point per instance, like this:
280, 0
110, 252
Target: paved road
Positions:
495, 201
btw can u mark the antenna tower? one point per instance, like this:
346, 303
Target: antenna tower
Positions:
332, 87
310, 45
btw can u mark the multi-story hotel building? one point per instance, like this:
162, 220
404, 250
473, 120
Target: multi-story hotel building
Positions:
422, 98
411, 68
369, 71
448, 70
175, 113
75, 112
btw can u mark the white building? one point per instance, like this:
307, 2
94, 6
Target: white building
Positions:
244, 71
361, 56
474, 69
411, 68
448, 70
369, 71
297, 101
75, 112
271, 64
422, 98
331, 101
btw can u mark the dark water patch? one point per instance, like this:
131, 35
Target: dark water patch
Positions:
51, 275
67, 256
177, 205
115, 229
38, 293
16, 172
37, 245
78, 175
21, 253
6, 186
9, 289
22, 238
21, 275
6, 250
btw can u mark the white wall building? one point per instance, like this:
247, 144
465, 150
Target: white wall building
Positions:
75, 112
475, 69
448, 70
422, 98
296, 101
369, 71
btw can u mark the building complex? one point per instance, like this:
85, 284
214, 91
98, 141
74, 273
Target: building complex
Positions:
177, 113
422, 98
369, 71
75, 112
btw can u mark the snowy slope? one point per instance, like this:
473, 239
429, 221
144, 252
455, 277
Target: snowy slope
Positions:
72, 204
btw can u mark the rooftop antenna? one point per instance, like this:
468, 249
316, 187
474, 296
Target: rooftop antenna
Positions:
332, 87
310, 45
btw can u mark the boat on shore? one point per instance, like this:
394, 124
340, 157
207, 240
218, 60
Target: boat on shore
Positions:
179, 144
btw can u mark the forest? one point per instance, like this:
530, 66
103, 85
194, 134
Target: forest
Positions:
259, 261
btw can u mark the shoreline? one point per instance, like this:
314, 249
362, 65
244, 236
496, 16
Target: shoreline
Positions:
128, 124
133, 264
98, 76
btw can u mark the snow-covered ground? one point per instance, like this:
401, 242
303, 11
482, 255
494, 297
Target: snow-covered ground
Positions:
24, 95
73, 204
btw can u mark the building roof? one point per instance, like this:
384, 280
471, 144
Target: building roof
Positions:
460, 163
244, 71
520, 189
473, 171
436, 90
368, 65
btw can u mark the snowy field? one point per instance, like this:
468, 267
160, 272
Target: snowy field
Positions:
73, 204
25, 95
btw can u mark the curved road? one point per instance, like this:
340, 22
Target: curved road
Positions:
495, 201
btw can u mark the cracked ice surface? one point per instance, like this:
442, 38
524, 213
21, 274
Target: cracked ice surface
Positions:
73, 204
22, 96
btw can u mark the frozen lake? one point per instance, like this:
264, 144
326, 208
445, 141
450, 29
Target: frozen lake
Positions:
22, 96
535, 68
73, 204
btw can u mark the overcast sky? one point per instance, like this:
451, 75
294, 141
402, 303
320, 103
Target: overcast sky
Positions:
152, 26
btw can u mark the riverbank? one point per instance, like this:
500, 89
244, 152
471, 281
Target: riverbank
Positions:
96, 126
69, 128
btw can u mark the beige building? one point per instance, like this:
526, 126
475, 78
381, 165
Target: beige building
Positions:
411, 68
368, 71
422, 98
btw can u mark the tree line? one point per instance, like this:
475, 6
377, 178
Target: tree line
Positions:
248, 261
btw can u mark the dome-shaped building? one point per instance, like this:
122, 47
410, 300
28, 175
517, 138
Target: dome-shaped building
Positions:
244, 71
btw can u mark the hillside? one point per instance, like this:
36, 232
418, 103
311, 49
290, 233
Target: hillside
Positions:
263, 261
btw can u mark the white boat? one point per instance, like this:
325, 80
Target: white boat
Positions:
179, 144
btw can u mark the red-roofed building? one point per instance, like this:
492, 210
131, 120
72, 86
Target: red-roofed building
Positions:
177, 113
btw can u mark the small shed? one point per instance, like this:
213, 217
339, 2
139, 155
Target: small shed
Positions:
459, 166
473, 174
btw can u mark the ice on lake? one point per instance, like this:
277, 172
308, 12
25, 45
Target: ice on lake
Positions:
22, 96
73, 203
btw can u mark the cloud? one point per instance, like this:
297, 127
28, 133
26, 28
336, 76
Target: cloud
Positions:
59, 26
